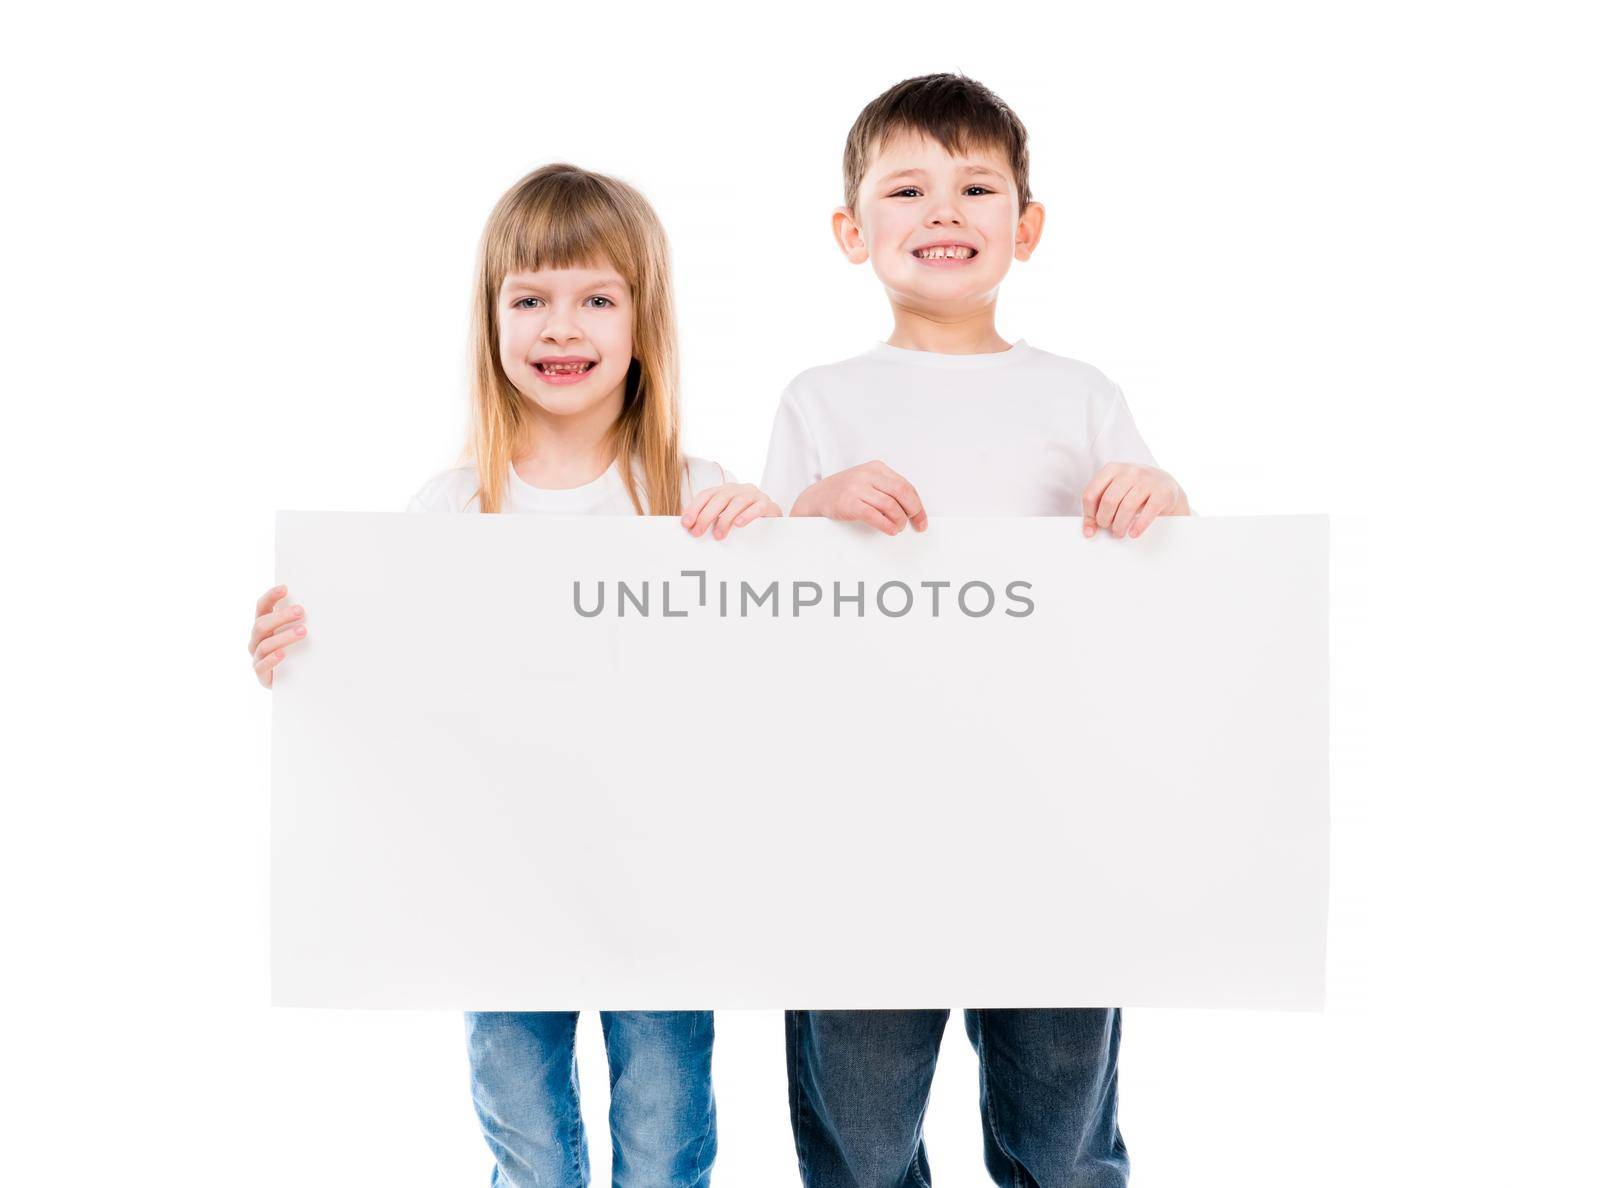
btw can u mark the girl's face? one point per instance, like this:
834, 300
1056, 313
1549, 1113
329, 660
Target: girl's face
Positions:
566, 338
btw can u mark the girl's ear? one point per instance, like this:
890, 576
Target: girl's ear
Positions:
1029, 227
848, 235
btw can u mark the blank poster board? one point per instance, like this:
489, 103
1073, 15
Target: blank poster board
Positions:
531, 762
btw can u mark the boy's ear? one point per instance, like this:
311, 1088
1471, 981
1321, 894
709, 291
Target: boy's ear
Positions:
848, 235
1029, 227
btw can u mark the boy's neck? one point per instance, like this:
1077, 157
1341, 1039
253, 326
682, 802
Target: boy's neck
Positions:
967, 333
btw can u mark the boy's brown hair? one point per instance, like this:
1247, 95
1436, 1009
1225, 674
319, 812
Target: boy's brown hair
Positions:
952, 109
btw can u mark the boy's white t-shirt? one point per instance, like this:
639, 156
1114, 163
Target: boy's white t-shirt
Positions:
457, 491
1013, 433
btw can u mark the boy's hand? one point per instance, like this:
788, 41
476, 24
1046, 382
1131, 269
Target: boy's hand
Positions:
870, 493
724, 508
1123, 498
273, 631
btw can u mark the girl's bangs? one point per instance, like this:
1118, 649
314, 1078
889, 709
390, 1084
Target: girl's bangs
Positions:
560, 230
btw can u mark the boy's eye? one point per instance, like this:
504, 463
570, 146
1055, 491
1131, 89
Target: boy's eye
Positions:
979, 189
906, 192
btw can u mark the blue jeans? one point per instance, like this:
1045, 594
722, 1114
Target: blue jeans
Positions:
525, 1089
1047, 1084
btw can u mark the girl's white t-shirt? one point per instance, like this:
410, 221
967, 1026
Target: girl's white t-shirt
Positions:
1010, 433
457, 491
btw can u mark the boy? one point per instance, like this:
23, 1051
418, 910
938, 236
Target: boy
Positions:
936, 197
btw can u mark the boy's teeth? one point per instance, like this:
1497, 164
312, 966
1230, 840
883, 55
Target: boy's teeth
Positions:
945, 253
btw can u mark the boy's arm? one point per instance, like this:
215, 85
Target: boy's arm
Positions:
870, 493
1128, 490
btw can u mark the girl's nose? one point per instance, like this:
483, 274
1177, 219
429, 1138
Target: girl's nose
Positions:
558, 329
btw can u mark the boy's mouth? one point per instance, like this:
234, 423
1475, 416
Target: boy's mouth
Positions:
565, 369
945, 254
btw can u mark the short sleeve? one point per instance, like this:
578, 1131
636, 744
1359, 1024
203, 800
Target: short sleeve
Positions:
448, 491
793, 461
1118, 439
426, 499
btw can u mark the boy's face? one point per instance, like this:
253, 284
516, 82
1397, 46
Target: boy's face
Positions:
566, 337
941, 230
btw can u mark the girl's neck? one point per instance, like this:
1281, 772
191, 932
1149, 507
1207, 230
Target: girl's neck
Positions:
970, 332
569, 451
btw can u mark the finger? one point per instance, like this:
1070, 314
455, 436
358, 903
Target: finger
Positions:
270, 599
1158, 504
886, 504
1092, 493
759, 509
267, 624
277, 643
709, 512
906, 495
691, 512
762, 509
725, 520
1107, 509
865, 513
1129, 507
282, 639
264, 666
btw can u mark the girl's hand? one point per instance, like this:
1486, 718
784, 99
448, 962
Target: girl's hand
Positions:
870, 493
1123, 498
274, 630
724, 508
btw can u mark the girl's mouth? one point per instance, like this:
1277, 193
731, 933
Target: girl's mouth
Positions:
563, 371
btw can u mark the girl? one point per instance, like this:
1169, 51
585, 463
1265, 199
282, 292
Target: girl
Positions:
575, 409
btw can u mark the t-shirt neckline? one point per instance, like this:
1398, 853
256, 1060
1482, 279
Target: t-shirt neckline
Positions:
979, 362
566, 496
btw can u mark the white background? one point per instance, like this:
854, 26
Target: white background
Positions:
1340, 258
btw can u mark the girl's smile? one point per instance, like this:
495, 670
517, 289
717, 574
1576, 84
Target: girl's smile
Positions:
563, 369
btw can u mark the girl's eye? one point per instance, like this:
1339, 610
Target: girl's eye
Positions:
907, 192
522, 302
604, 302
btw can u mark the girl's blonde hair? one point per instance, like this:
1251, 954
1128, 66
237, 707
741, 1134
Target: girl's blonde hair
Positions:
560, 216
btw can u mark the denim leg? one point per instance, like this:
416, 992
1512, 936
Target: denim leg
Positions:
663, 1114
1047, 1083
525, 1089
858, 1090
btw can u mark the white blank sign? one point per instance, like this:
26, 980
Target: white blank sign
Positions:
531, 762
